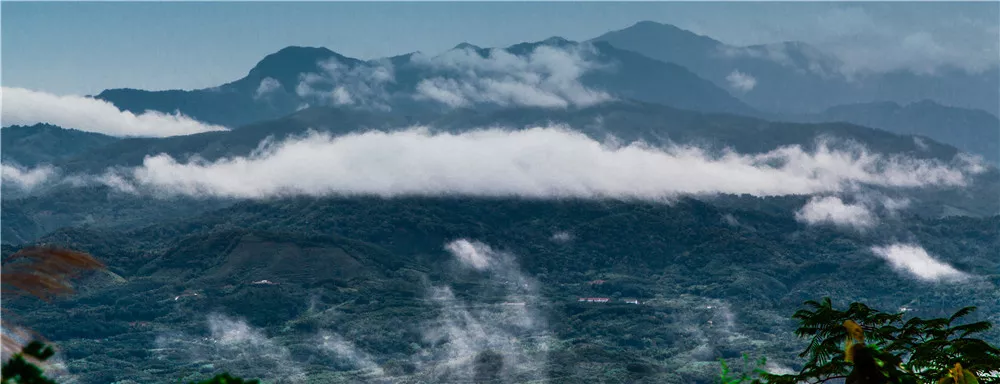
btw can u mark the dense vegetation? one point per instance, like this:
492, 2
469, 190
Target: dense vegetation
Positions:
878, 348
882, 347
714, 281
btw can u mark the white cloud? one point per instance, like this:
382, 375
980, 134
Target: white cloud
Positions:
913, 259
27, 107
892, 205
551, 162
513, 333
25, 179
267, 85
546, 77
341, 96
562, 237
475, 255
361, 85
741, 81
833, 210
971, 163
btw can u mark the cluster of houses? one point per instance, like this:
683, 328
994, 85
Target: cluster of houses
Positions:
605, 300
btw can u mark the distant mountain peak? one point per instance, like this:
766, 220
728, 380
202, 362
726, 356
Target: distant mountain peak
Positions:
652, 25
926, 103
662, 30
464, 46
557, 41
287, 64
662, 42
294, 54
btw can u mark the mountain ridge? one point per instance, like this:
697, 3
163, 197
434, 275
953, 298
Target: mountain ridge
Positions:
795, 77
240, 102
971, 130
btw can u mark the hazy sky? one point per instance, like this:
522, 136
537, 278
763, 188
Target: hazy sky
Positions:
82, 48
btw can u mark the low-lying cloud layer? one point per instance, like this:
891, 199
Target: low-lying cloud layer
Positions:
27, 107
914, 260
547, 77
551, 162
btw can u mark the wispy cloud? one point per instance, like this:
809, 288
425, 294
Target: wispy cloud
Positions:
235, 346
546, 77
26, 179
833, 210
741, 81
858, 39
486, 343
915, 260
267, 86
475, 255
807, 59
27, 107
549, 162
562, 237
362, 85
469, 341
346, 350
866, 42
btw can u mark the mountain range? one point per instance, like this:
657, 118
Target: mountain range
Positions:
787, 78
647, 62
794, 77
625, 74
971, 131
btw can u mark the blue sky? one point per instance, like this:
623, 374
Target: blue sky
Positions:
82, 48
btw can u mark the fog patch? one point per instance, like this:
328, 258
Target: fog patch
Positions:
267, 86
546, 77
915, 261
27, 107
347, 351
475, 255
233, 346
25, 179
506, 342
833, 210
562, 237
361, 85
741, 81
